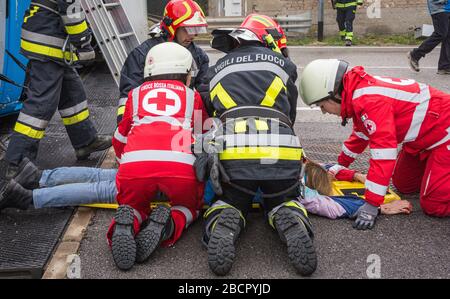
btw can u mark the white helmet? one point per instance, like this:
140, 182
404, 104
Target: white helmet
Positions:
321, 79
167, 58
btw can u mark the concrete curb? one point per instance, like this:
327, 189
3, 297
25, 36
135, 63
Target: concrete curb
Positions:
66, 252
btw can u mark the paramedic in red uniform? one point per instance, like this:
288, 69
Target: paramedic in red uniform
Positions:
388, 112
153, 146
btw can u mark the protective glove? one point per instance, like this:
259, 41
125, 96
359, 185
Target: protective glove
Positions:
365, 217
214, 174
206, 150
86, 55
85, 52
201, 166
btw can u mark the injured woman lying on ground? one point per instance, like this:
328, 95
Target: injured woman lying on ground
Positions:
73, 186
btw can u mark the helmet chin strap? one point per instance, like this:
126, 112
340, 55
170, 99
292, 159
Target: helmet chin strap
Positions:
336, 100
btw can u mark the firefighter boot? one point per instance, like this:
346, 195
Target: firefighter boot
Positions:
14, 195
223, 227
159, 227
292, 224
28, 175
99, 144
123, 244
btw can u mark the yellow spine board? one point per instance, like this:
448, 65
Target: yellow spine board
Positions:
356, 188
114, 206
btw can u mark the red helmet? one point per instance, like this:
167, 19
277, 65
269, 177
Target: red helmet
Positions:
262, 25
183, 13
282, 42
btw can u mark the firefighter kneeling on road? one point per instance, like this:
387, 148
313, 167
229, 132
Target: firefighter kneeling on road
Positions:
387, 112
153, 146
252, 91
56, 40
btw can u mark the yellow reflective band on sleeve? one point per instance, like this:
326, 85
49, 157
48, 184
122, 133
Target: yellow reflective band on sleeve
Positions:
185, 16
240, 126
77, 29
261, 125
344, 5
283, 40
223, 96
121, 110
46, 51
29, 131
272, 92
253, 153
67, 121
32, 12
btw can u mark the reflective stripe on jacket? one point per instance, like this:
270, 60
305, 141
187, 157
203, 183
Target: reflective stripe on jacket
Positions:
157, 128
47, 24
255, 148
387, 112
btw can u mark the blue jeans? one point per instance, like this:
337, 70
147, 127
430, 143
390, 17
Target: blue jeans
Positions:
72, 186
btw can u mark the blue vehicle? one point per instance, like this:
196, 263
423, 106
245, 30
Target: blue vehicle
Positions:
12, 74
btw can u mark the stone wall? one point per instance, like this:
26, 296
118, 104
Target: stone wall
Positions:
395, 16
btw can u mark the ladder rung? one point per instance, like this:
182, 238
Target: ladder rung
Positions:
125, 35
112, 5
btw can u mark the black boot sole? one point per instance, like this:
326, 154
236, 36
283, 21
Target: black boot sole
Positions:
300, 247
150, 237
221, 250
123, 243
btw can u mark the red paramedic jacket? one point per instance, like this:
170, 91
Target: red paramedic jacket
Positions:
155, 135
388, 112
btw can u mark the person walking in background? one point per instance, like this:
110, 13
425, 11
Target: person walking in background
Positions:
346, 10
440, 14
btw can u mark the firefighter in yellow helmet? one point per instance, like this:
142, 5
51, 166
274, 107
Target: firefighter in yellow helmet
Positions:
253, 96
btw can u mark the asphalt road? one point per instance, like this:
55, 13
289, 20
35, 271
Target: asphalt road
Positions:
414, 246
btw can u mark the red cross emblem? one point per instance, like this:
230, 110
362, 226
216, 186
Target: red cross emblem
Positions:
162, 101
370, 126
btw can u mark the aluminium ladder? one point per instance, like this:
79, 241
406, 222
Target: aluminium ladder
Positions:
113, 31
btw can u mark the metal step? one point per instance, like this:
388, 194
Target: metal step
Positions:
113, 31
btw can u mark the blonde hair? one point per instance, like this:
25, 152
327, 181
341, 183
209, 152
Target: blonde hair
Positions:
317, 178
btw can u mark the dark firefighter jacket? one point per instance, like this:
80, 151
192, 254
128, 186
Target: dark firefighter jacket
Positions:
252, 89
47, 24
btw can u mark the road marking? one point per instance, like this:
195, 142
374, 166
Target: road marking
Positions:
340, 47
308, 109
354, 47
390, 67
